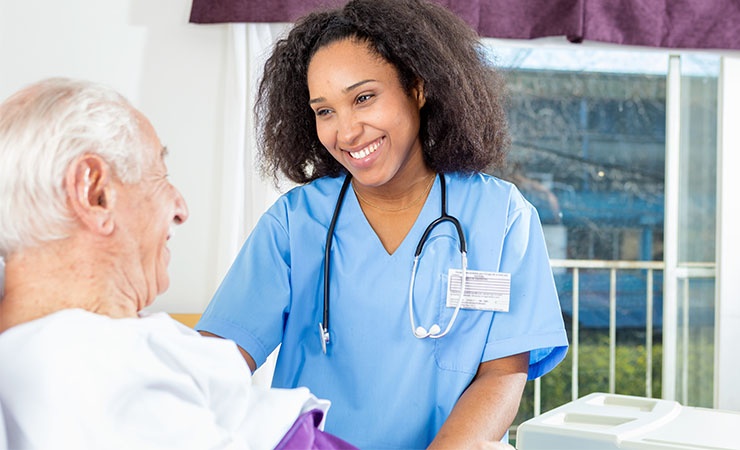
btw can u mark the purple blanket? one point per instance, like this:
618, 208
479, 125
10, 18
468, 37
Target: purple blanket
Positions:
305, 435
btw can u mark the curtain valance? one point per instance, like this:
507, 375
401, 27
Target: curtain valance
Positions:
689, 24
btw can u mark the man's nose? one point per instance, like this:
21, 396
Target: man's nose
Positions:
181, 209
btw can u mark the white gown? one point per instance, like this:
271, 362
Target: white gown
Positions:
79, 380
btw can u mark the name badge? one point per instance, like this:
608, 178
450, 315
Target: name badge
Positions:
486, 291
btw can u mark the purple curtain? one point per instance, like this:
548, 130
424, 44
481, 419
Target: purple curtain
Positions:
710, 24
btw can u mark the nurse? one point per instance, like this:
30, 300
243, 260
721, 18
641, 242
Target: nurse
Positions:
386, 115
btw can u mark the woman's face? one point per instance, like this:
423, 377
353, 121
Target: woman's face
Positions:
364, 117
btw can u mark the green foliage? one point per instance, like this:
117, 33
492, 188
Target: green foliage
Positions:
593, 371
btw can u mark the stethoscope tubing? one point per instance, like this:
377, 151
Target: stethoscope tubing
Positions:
434, 331
419, 332
324, 326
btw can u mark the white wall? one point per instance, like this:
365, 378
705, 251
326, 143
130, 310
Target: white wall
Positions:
171, 70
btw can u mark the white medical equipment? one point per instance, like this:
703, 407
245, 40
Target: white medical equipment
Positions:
420, 332
601, 421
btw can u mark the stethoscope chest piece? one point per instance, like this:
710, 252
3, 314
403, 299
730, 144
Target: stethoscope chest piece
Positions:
324, 335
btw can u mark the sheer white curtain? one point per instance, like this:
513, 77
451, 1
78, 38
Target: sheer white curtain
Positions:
244, 195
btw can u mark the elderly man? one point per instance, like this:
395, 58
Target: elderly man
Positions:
86, 211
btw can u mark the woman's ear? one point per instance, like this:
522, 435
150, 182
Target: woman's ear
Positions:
90, 192
419, 94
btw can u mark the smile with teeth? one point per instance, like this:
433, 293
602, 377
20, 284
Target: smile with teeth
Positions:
359, 154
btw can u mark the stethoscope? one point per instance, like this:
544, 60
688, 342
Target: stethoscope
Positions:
434, 332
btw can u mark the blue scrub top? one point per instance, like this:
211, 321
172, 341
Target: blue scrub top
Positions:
388, 389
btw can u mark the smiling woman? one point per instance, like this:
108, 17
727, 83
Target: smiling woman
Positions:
370, 125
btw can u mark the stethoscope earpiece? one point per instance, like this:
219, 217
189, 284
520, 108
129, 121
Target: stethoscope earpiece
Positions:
422, 332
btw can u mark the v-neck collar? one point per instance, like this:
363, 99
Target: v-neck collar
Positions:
429, 212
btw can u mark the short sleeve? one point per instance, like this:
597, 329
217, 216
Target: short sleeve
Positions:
534, 322
254, 297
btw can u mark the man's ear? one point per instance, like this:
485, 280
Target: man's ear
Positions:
91, 193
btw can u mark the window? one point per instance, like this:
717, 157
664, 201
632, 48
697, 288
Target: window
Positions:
592, 149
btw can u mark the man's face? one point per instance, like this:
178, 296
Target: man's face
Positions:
149, 209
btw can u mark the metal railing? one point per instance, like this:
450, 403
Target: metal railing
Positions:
575, 266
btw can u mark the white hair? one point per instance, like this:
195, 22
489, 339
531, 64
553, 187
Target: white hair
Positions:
43, 128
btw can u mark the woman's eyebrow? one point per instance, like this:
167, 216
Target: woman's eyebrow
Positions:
345, 90
356, 85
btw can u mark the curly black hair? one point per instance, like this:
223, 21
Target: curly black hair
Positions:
463, 122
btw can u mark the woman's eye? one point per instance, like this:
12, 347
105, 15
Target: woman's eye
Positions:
363, 98
322, 112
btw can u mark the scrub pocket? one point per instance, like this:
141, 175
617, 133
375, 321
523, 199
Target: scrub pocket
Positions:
461, 349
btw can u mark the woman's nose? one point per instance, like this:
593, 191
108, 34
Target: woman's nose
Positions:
349, 129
